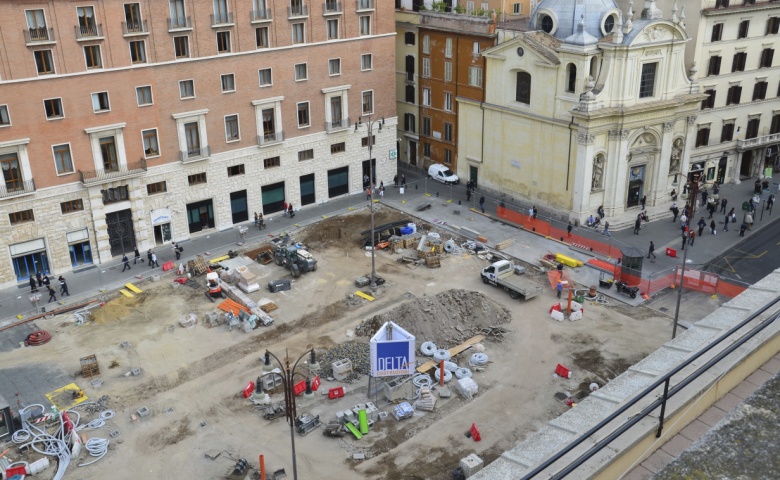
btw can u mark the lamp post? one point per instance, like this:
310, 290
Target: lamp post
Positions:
692, 210
370, 128
288, 383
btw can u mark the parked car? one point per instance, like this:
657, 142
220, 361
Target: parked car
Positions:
442, 174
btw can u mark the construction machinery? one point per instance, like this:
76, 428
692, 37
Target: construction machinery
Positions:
295, 259
503, 274
334, 429
215, 290
275, 410
306, 423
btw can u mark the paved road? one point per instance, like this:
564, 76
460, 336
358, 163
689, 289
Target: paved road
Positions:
752, 259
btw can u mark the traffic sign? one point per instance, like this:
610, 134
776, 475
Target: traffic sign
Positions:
393, 154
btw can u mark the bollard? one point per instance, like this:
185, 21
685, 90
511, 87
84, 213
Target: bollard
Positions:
262, 467
441, 373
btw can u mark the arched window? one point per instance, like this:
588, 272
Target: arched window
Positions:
523, 93
571, 78
594, 67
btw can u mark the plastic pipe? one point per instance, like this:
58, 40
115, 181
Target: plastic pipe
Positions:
262, 467
363, 422
441, 373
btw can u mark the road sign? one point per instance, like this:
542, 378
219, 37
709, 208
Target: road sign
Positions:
393, 154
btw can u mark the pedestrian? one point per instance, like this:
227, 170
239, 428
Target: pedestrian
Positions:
136, 254
46, 281
290, 210
149, 257
154, 260
536, 212
365, 180
482, 203
770, 201
600, 211
606, 229
643, 201
675, 211
255, 219
381, 191
468, 194
749, 220
711, 208
33, 285
395, 181
39, 277
260, 223
702, 225
684, 239
403, 180
284, 208
559, 289
742, 229
765, 184
52, 294
691, 237
125, 262
726, 224
684, 220
637, 224
723, 204
732, 216
368, 193
674, 195
63, 287
176, 251
712, 227
568, 229
757, 187
651, 250
704, 197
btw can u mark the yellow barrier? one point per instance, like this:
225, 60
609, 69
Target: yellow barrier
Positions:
568, 261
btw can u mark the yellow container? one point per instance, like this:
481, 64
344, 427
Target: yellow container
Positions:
568, 261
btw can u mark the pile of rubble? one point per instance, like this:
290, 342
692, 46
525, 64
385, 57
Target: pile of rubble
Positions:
356, 352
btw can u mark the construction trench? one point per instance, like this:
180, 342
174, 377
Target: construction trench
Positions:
167, 383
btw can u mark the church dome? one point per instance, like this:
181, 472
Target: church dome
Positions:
578, 22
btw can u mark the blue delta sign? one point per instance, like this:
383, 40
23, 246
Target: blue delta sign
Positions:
392, 352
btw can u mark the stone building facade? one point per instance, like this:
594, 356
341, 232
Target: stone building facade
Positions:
143, 123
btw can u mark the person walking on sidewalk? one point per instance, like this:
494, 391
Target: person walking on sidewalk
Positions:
403, 180
600, 211
33, 285
651, 250
691, 238
154, 260
702, 225
136, 254
149, 257
675, 212
468, 194
125, 262
712, 227
684, 238
742, 229
52, 294
643, 202
637, 224
39, 277
63, 287
176, 251
482, 203
536, 212
568, 229
704, 197
606, 229
559, 288
723, 204
726, 224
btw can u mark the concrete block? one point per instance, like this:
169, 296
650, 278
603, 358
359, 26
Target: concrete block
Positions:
143, 411
471, 465
396, 390
342, 369
556, 315
575, 316
155, 278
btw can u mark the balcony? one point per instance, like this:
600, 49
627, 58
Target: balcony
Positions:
297, 11
89, 32
761, 141
135, 28
195, 154
179, 23
16, 188
224, 19
270, 138
92, 177
38, 36
332, 7
337, 125
257, 16
365, 5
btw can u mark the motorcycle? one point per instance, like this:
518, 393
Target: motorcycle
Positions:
622, 287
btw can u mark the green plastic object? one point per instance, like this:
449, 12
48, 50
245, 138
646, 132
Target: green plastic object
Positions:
363, 421
354, 430
579, 299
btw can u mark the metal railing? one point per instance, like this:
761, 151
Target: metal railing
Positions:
260, 15
365, 4
225, 18
297, 11
38, 35
332, 6
84, 32
193, 154
135, 28
14, 188
336, 125
270, 138
179, 23
105, 175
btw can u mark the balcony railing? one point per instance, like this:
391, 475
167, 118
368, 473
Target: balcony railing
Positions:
365, 5
195, 154
135, 28
260, 15
86, 32
179, 23
222, 19
38, 35
89, 177
337, 125
332, 6
758, 141
296, 11
270, 138
15, 188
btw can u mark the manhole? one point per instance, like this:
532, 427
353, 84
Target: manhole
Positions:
663, 309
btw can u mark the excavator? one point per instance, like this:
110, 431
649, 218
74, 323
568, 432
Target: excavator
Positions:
215, 290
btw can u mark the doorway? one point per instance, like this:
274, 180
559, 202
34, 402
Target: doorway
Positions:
412, 152
80, 254
200, 215
721, 176
636, 184
238, 207
273, 198
338, 182
745, 164
473, 175
367, 171
307, 189
162, 233
121, 235
25, 266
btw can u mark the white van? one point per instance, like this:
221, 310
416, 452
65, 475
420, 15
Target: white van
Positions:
442, 174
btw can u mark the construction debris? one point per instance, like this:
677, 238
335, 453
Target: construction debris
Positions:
197, 266
426, 401
402, 411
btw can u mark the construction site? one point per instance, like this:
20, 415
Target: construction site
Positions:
169, 376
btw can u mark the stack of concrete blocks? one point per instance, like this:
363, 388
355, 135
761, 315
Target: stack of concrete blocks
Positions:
471, 465
427, 401
467, 387
271, 381
347, 416
342, 369
213, 319
399, 390
247, 281
372, 411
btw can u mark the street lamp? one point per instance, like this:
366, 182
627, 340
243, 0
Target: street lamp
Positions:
288, 384
370, 128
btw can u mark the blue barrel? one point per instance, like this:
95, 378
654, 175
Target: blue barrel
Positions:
406, 230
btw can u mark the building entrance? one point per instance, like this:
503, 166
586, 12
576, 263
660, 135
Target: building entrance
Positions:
121, 235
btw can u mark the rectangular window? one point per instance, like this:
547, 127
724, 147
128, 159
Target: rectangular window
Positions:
713, 68
300, 72
21, 217
734, 94
100, 102
151, 146
738, 63
231, 128
727, 134
409, 122
53, 108
192, 136
157, 187
365, 25
178, 14
517, 9
448, 71
186, 89
448, 102
137, 52
261, 37
475, 48
744, 27
426, 126
775, 127
410, 94
426, 68
426, 100
364, 141
448, 47
36, 21
368, 102
43, 62
133, 21
306, 155
759, 91
334, 66
366, 62
298, 33
108, 154
340, 147
113, 195
196, 179
221, 14
426, 44
181, 46
72, 206
447, 132
647, 80
234, 170
708, 102
12, 174
752, 128
717, 32
409, 38
144, 95
447, 156
475, 77
332, 27
228, 82
272, 162
426, 149
223, 42
265, 77
721, 3
703, 136
772, 25
5, 119
766, 58
92, 56
62, 159
87, 26
303, 114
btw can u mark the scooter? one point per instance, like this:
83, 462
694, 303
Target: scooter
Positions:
622, 287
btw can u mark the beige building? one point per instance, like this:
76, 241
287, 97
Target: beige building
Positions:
593, 108
141, 123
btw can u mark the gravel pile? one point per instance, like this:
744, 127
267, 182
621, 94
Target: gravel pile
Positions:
357, 352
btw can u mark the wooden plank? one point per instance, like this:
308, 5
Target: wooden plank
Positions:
126, 293
453, 351
364, 295
133, 288
218, 259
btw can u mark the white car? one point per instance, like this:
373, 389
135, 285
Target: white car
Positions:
442, 174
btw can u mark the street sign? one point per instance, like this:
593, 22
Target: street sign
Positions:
392, 352
746, 207
393, 154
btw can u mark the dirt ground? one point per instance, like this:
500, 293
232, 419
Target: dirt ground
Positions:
192, 378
